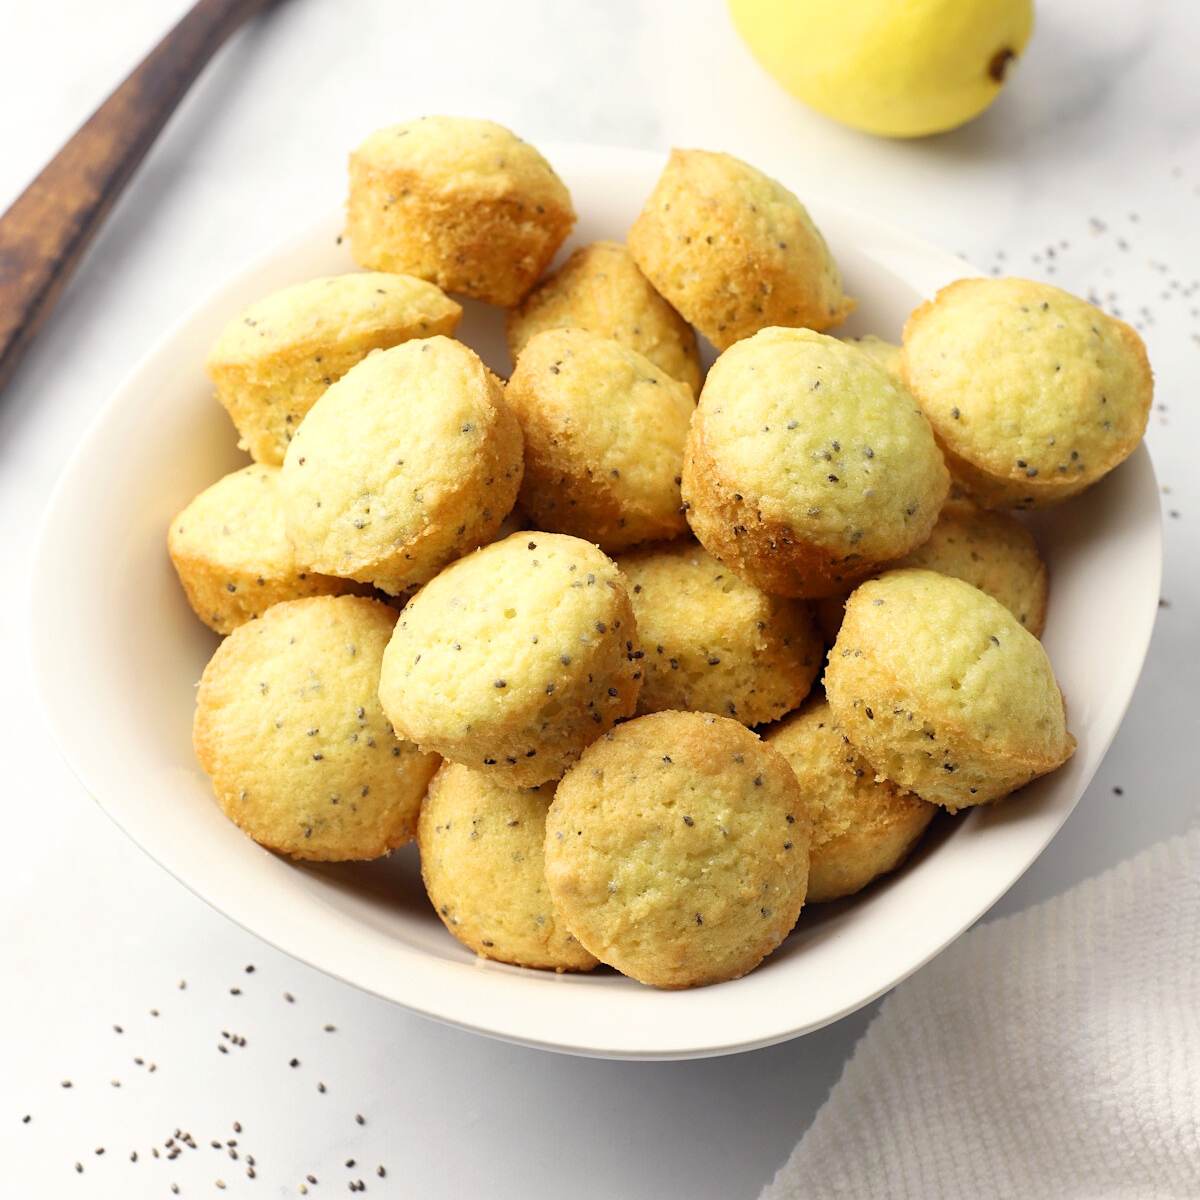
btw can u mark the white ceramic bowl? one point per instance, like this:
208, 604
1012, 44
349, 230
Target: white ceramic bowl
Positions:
117, 651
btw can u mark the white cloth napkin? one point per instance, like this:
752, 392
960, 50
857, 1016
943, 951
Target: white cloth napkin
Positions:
1053, 1053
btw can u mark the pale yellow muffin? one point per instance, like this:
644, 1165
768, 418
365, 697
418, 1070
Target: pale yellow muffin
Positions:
288, 725
514, 658
462, 202
713, 642
272, 361
604, 430
861, 827
410, 460
886, 354
677, 849
734, 251
808, 465
992, 551
232, 554
482, 861
943, 692
1034, 394
600, 289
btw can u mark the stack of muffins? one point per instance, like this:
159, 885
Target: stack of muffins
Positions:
565, 630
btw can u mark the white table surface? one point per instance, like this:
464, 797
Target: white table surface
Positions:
1087, 173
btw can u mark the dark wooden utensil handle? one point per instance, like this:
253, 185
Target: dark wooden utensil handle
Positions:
45, 232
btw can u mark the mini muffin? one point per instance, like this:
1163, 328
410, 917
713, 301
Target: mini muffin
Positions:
677, 849
514, 658
943, 692
861, 828
600, 289
713, 642
272, 362
734, 251
1033, 393
886, 354
481, 858
604, 433
992, 551
464, 203
808, 465
410, 460
288, 725
232, 554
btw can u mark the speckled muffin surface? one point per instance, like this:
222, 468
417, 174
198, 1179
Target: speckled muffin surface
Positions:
861, 827
677, 849
515, 658
272, 361
714, 643
604, 431
231, 551
1034, 394
464, 203
289, 727
808, 465
482, 862
943, 692
734, 251
992, 551
410, 460
600, 289
886, 354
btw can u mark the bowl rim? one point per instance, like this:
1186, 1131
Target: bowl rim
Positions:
517, 1025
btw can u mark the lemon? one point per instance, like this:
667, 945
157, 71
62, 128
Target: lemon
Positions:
901, 68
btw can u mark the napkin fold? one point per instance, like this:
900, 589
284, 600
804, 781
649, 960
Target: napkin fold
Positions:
1052, 1053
